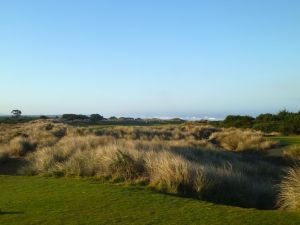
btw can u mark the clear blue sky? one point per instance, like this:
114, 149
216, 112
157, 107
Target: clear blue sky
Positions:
150, 58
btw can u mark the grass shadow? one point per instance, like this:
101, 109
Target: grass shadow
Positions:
243, 179
12, 166
10, 212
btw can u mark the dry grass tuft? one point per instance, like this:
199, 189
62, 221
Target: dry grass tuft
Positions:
289, 196
241, 140
292, 152
125, 166
20, 146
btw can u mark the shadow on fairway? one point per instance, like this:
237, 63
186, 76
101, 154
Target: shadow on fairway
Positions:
10, 213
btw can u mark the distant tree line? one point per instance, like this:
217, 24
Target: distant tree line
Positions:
284, 122
98, 117
92, 117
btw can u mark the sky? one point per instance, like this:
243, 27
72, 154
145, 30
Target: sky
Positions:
152, 58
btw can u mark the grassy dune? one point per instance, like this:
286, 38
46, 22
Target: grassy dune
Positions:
40, 200
224, 166
198, 161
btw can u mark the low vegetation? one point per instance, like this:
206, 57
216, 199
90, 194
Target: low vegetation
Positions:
221, 165
191, 159
287, 123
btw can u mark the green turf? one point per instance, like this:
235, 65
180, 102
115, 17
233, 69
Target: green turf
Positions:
288, 140
40, 200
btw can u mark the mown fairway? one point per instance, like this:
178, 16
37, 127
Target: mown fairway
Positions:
40, 200
288, 140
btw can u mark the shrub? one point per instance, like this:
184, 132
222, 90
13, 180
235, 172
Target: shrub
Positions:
267, 117
96, 117
238, 121
74, 117
284, 122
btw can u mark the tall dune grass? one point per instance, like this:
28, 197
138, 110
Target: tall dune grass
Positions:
289, 196
241, 140
292, 152
20, 146
212, 175
198, 161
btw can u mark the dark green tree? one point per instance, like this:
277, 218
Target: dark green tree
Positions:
96, 117
16, 113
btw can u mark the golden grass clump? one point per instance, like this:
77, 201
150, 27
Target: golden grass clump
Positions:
17, 140
289, 195
126, 166
240, 140
20, 146
172, 173
70, 156
292, 152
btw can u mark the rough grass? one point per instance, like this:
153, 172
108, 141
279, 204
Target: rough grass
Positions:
199, 161
172, 167
241, 140
292, 152
39, 200
20, 146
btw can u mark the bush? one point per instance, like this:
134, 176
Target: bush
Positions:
96, 117
267, 117
74, 117
238, 121
284, 122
